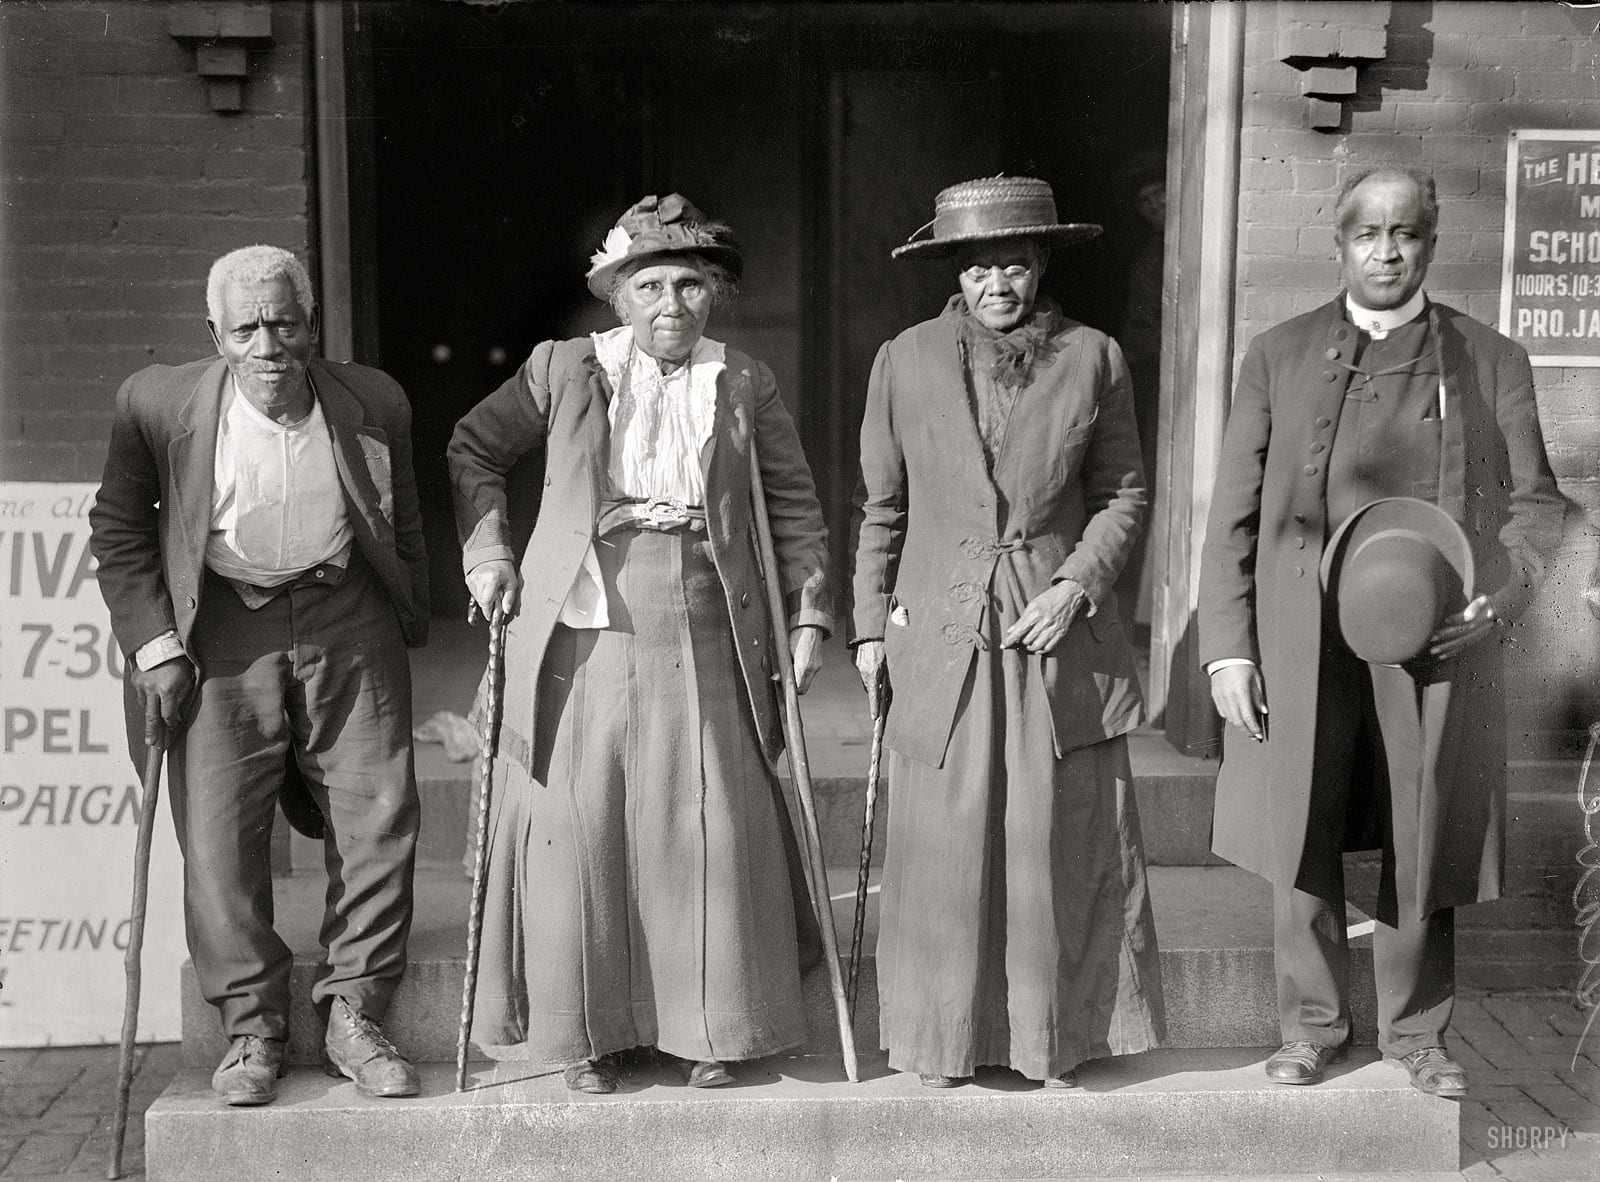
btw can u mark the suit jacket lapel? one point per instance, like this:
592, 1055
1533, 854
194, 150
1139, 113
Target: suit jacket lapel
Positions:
347, 423
944, 391
192, 458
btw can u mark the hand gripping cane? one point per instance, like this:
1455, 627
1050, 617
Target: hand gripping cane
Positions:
153, 752
859, 930
480, 856
795, 740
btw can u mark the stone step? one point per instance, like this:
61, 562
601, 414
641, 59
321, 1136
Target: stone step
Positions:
1174, 794
1213, 924
1161, 1113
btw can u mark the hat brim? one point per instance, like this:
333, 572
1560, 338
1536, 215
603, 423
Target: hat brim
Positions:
601, 279
1408, 513
1059, 234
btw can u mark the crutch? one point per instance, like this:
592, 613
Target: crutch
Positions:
794, 738
480, 856
153, 752
859, 931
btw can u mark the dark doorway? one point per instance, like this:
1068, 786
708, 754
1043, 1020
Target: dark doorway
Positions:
506, 138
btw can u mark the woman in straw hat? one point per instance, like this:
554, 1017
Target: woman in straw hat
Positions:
638, 888
1004, 493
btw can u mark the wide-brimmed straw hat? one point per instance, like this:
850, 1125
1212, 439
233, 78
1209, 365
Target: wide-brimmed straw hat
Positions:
992, 210
1395, 568
658, 226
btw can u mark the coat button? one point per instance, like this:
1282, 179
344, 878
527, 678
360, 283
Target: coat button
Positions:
1299, 572
1316, 449
1299, 543
1332, 354
1341, 334
1310, 469
1324, 423
1299, 518
548, 481
1330, 375
189, 601
744, 599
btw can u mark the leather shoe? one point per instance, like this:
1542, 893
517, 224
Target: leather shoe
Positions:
1435, 1073
598, 1077
1303, 1062
248, 1074
1067, 1079
939, 1081
708, 1073
356, 1048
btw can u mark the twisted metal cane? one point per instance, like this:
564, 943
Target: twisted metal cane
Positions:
859, 931
153, 752
480, 856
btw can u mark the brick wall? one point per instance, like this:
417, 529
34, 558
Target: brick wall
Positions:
1452, 81
120, 187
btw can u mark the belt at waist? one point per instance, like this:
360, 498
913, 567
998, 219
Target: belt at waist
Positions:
663, 514
324, 574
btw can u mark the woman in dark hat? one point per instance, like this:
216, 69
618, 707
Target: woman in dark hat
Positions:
1003, 493
638, 890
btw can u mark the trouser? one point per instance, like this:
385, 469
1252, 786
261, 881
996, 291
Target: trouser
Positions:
320, 671
1352, 794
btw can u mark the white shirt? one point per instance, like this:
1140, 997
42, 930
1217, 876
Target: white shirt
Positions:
277, 506
660, 423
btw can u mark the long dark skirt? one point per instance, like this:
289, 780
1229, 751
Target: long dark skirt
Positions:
1016, 923
638, 892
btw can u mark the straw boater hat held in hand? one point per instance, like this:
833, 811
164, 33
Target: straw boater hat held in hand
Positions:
992, 210
1396, 568
655, 228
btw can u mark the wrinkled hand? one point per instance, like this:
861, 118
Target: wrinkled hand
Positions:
1047, 617
1591, 592
1463, 630
162, 693
805, 652
1241, 698
492, 582
874, 675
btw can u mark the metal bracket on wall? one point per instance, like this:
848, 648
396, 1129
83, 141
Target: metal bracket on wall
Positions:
221, 35
1329, 43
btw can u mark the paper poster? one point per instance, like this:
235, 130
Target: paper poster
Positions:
70, 795
1550, 277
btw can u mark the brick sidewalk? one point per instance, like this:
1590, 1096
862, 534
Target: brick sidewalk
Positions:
56, 1104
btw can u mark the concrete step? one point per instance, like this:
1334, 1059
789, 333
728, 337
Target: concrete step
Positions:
1214, 926
1174, 794
1161, 1113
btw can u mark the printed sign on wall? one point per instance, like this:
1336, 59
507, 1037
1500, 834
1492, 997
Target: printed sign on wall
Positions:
69, 795
1550, 277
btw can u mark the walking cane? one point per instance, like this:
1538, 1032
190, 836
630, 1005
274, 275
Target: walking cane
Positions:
860, 928
480, 856
153, 752
795, 740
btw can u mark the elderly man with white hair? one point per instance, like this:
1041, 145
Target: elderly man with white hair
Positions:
260, 550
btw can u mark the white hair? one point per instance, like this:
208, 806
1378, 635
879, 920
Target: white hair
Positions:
257, 264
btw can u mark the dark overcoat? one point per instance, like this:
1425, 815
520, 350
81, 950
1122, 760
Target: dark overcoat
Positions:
152, 514
1260, 596
1065, 501
558, 401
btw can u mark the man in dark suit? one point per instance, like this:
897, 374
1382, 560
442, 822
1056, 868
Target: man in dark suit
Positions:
260, 550
1380, 393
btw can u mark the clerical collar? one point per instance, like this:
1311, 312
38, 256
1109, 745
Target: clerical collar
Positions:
1379, 324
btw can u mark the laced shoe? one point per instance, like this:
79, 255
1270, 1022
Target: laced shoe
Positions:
248, 1074
1303, 1062
1435, 1073
356, 1049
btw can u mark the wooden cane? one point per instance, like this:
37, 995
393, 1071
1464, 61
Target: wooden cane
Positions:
480, 855
795, 740
859, 930
153, 752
